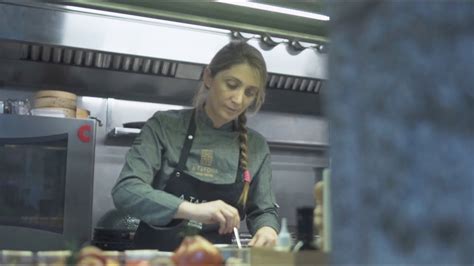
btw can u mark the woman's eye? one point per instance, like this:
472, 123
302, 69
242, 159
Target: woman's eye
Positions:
232, 85
250, 93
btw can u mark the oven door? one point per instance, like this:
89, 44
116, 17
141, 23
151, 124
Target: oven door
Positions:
46, 182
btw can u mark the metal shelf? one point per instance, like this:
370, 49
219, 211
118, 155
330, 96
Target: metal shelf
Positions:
301, 145
124, 132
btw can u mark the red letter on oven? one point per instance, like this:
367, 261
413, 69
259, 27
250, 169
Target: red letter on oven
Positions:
84, 132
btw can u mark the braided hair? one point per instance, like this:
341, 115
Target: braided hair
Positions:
235, 53
243, 158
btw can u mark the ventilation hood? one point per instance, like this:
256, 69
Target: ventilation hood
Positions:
102, 53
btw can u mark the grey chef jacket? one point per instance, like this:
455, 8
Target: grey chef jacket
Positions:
214, 158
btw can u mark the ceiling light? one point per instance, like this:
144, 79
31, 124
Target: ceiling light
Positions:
276, 9
143, 18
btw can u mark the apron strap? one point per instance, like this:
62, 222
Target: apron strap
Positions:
188, 142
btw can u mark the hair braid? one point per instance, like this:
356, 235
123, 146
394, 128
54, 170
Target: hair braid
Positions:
243, 157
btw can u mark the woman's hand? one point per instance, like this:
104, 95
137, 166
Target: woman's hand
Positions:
264, 237
209, 213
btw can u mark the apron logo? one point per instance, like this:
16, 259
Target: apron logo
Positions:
206, 157
203, 170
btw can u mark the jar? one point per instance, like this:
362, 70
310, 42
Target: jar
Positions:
20, 107
56, 258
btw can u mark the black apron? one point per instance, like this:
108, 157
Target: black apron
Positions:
180, 184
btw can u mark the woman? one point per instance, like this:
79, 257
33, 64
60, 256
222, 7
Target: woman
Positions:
202, 168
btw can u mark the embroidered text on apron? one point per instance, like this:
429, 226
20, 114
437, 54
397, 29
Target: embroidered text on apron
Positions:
169, 237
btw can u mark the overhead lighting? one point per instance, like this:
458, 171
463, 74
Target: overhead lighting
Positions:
142, 18
276, 9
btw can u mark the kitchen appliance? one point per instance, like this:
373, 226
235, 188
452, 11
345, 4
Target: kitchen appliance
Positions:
46, 182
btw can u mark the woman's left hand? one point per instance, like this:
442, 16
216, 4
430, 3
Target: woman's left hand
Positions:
265, 237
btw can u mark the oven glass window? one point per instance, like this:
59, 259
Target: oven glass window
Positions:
32, 182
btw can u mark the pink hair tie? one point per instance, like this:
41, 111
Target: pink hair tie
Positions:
247, 176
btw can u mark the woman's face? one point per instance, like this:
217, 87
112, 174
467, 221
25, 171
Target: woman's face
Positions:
231, 92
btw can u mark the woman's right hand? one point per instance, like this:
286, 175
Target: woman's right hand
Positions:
209, 213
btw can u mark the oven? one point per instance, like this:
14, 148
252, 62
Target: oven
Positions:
46, 182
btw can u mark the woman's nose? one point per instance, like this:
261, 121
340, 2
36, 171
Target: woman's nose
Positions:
238, 97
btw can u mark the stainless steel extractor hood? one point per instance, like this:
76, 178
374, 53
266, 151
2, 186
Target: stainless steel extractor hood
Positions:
102, 53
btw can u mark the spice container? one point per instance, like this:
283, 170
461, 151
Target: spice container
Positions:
55, 258
140, 257
20, 107
16, 257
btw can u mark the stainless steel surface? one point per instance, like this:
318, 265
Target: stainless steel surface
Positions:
127, 61
116, 61
91, 73
106, 61
58, 25
123, 111
79, 180
35, 52
25, 51
88, 58
78, 57
46, 53
189, 71
146, 65
285, 128
137, 63
67, 56
98, 60
165, 68
156, 66
288, 135
123, 132
57, 53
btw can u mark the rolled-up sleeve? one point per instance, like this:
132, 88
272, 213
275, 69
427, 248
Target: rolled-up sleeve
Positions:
261, 207
133, 193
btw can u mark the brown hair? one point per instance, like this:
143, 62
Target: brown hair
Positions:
234, 53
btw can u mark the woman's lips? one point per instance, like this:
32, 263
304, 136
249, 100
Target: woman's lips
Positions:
232, 110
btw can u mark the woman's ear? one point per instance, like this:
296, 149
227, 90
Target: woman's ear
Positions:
207, 78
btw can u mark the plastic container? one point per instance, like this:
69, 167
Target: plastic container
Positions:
284, 241
16, 257
56, 258
140, 257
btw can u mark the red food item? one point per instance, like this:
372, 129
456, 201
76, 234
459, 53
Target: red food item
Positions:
196, 251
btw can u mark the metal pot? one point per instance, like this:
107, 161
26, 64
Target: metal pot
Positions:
115, 231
